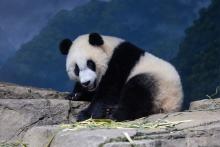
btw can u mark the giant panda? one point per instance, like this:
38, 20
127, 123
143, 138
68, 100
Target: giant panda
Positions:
124, 79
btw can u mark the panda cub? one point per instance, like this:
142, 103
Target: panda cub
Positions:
122, 77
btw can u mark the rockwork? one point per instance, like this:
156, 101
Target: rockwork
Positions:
21, 108
34, 117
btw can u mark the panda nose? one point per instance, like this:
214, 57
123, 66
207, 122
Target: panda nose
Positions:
86, 83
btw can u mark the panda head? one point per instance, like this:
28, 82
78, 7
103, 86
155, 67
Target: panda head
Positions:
87, 59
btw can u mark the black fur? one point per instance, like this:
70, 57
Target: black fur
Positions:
124, 58
95, 39
91, 65
76, 70
136, 98
80, 94
65, 46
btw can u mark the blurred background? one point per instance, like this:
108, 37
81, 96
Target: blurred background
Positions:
184, 32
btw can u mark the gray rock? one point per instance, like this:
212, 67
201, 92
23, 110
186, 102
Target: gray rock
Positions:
93, 138
58, 137
148, 143
205, 104
75, 108
17, 115
34, 116
12, 91
22, 108
40, 136
209, 141
190, 138
201, 129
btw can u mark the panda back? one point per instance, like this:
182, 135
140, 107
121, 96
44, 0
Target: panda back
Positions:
169, 94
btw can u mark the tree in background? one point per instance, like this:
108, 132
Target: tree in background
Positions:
198, 59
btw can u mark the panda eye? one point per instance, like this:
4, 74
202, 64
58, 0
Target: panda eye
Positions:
91, 65
76, 70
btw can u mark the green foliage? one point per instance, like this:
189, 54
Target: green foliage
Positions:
198, 57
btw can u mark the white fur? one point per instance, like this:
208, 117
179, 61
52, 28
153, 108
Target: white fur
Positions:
87, 75
81, 51
170, 93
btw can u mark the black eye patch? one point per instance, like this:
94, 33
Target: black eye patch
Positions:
76, 70
91, 65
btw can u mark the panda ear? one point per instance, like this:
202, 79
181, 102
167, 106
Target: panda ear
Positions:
65, 46
95, 39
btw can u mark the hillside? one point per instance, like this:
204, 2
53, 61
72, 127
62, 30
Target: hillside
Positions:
198, 58
6, 49
157, 26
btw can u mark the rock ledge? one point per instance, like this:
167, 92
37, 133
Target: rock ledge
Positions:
34, 116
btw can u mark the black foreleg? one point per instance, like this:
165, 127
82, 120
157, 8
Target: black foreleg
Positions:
136, 98
80, 93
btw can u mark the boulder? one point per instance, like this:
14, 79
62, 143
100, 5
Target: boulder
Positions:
21, 108
40, 136
205, 104
195, 130
13, 91
34, 117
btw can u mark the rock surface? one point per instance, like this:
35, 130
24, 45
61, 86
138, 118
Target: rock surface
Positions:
22, 108
201, 128
34, 116
12, 91
205, 104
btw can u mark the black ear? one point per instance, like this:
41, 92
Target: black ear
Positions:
95, 39
65, 46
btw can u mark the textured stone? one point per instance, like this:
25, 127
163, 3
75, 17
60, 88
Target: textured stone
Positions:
205, 104
195, 118
202, 130
85, 138
17, 115
12, 91
200, 141
189, 138
34, 115
22, 108
40, 136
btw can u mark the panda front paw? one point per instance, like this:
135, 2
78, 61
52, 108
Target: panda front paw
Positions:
103, 110
110, 110
98, 111
83, 115
122, 114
